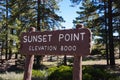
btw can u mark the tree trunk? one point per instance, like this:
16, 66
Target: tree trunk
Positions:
119, 41
111, 45
38, 29
106, 32
38, 16
65, 60
6, 30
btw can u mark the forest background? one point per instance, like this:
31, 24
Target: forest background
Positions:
101, 16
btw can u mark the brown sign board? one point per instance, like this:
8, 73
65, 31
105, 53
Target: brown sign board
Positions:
59, 42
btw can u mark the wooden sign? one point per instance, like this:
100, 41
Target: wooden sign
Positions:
59, 42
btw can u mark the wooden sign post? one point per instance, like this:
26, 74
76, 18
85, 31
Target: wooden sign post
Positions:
77, 67
76, 42
29, 62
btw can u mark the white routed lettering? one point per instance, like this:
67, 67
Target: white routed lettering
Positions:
67, 37
74, 48
30, 48
37, 38
25, 39
44, 38
34, 38
61, 36
65, 48
68, 48
82, 34
76, 37
29, 39
42, 48
71, 37
49, 38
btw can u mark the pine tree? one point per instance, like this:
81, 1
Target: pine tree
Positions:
19, 15
105, 18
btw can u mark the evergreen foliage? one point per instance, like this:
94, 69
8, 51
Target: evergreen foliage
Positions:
16, 16
102, 17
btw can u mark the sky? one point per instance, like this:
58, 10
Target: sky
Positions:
68, 13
